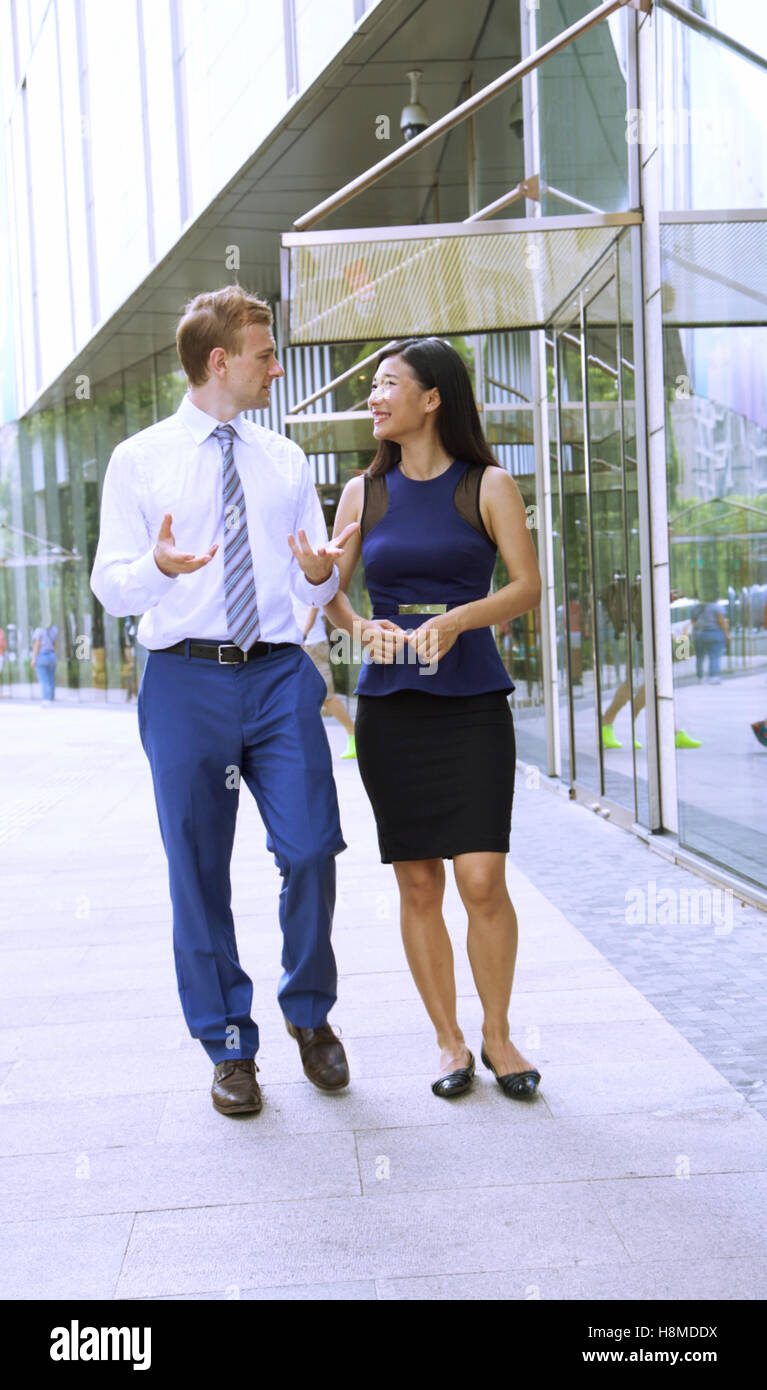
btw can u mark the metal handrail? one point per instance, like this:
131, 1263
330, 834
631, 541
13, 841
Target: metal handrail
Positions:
457, 115
704, 26
339, 380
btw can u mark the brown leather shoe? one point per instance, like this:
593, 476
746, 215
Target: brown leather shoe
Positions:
322, 1055
235, 1090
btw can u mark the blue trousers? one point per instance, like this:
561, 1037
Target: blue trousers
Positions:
204, 727
46, 674
711, 644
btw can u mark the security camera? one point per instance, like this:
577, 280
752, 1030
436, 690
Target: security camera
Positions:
517, 118
415, 117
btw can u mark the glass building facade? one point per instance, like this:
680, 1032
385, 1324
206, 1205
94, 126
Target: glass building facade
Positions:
633, 416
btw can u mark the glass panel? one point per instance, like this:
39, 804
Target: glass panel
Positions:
322, 28
85, 526
558, 549
509, 427
49, 205
234, 74
716, 381
140, 402
119, 195
712, 156
161, 118
575, 620
109, 412
74, 134
582, 98
634, 650
611, 581
713, 153
171, 383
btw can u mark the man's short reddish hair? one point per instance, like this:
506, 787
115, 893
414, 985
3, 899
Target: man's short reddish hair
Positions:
216, 319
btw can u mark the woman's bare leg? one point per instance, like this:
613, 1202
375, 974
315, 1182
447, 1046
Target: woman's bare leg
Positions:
430, 954
492, 948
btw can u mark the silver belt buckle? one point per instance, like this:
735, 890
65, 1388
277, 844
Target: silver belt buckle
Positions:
422, 608
230, 647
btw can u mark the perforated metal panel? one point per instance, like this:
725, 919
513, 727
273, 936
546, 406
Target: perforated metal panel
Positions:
368, 285
714, 271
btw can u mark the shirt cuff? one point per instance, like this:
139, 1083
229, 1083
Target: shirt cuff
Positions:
146, 573
316, 595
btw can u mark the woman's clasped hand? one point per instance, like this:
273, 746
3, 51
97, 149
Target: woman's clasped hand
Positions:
385, 642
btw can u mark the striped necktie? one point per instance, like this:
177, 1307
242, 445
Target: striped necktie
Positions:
239, 584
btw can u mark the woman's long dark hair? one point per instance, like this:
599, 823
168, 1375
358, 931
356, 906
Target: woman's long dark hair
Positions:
435, 363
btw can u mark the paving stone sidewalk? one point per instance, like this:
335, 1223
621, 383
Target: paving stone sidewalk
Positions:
639, 1172
694, 951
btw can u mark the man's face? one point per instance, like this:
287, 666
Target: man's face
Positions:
250, 374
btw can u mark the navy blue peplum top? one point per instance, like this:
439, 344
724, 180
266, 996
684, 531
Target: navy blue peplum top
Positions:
419, 548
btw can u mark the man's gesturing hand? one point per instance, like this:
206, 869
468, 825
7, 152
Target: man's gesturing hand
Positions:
172, 561
317, 565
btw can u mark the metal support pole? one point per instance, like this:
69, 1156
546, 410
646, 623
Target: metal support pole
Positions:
644, 187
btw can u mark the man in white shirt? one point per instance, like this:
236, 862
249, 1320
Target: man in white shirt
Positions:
208, 524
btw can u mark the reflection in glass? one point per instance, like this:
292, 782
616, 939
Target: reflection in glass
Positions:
716, 431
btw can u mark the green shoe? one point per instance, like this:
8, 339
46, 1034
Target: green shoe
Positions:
637, 744
608, 737
350, 750
683, 740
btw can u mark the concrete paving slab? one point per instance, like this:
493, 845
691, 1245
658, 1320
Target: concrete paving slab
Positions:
379, 1104
121, 1075
354, 1238
89, 981
73, 1258
616, 1087
93, 1039
111, 1004
359, 1291
543, 1150
716, 1215
148, 1177
644, 1281
53, 1126
640, 1040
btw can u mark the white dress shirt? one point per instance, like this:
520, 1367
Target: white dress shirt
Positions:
317, 632
175, 466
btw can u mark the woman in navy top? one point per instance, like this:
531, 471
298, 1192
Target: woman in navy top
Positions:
434, 731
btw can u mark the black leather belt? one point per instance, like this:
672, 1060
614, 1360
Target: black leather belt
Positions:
225, 653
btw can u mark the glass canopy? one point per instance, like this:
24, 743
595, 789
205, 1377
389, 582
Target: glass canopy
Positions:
367, 284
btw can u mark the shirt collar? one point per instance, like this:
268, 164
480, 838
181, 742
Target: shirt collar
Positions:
201, 425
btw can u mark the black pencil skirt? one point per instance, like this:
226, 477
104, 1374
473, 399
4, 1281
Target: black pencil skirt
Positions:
439, 772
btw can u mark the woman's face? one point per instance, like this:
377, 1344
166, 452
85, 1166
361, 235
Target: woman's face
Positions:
398, 403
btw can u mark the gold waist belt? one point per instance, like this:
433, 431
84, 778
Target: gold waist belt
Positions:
422, 608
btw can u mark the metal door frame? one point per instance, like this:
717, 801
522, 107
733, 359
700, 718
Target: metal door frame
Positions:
560, 324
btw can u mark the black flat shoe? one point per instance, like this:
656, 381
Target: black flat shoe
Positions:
456, 1082
518, 1084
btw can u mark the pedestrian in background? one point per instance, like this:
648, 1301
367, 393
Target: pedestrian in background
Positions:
43, 660
316, 645
710, 636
